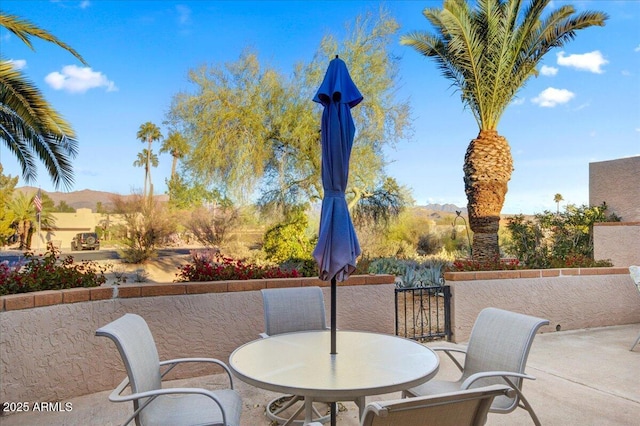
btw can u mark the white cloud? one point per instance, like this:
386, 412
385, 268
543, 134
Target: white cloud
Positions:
518, 101
184, 14
18, 64
76, 79
592, 61
551, 97
637, 49
85, 4
549, 71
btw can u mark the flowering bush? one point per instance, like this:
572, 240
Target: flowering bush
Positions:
492, 265
572, 261
579, 261
47, 272
213, 266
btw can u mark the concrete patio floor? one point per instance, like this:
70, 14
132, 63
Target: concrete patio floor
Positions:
584, 377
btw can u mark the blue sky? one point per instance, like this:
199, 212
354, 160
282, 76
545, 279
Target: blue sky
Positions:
583, 107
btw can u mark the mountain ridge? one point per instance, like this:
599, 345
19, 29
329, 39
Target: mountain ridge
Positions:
88, 198
84, 198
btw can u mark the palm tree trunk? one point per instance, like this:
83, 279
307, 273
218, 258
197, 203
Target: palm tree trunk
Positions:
25, 241
148, 165
487, 170
173, 166
21, 235
146, 177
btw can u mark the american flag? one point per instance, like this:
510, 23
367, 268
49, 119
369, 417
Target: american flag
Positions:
37, 201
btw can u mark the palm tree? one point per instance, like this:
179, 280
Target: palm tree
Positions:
556, 199
489, 52
24, 213
146, 159
29, 126
176, 145
148, 132
25, 217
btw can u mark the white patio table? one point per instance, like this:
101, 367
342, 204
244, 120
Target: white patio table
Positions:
366, 364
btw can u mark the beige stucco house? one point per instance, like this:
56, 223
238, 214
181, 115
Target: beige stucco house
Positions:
617, 182
69, 224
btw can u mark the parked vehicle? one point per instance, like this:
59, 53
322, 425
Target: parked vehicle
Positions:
85, 241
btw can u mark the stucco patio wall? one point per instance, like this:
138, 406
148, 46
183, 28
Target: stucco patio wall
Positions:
49, 353
569, 298
48, 350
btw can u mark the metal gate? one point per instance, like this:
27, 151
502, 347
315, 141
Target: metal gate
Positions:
423, 313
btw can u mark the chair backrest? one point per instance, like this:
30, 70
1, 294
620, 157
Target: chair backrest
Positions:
462, 408
137, 348
500, 341
293, 309
634, 271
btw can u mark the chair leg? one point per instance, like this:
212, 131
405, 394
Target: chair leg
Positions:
636, 342
523, 403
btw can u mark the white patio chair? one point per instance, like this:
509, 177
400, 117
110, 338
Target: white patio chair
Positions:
288, 310
154, 405
634, 271
461, 408
496, 354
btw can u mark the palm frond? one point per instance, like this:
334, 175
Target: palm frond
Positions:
21, 96
31, 129
24, 30
490, 51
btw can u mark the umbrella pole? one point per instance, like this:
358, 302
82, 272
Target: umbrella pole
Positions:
333, 339
333, 316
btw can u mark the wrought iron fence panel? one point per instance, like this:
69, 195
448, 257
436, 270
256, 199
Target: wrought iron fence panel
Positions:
423, 313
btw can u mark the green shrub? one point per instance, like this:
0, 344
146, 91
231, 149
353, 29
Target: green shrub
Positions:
288, 240
306, 267
47, 272
557, 240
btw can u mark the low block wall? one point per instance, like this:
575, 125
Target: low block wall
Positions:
48, 350
569, 298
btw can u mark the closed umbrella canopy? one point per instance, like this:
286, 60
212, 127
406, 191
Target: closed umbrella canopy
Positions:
338, 246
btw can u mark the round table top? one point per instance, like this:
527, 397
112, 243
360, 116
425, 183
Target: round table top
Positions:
366, 364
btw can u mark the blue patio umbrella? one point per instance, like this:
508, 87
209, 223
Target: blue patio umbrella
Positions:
338, 246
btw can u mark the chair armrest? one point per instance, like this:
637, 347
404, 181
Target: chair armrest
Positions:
153, 394
504, 374
174, 362
448, 351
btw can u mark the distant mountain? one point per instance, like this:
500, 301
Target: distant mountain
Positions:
87, 199
84, 199
448, 208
